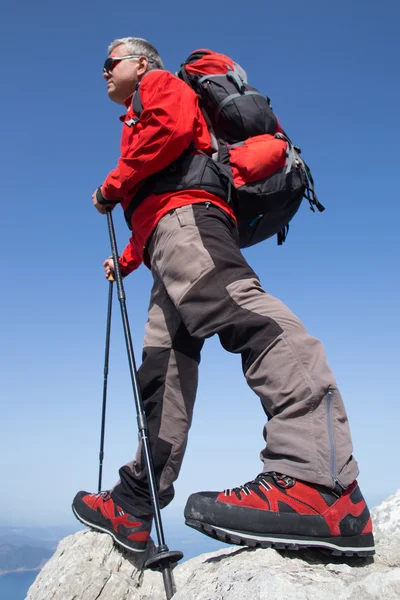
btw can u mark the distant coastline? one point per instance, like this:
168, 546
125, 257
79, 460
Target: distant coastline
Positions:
20, 570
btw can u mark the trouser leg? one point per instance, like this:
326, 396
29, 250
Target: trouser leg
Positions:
168, 381
194, 251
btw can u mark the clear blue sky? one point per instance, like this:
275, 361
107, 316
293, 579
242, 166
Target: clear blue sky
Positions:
331, 70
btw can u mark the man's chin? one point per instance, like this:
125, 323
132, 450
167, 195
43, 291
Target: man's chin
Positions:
114, 96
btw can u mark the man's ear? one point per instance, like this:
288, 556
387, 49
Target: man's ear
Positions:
143, 65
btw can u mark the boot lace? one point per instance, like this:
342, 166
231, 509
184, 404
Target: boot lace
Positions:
101, 495
263, 479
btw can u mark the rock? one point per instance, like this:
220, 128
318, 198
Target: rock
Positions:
386, 519
87, 566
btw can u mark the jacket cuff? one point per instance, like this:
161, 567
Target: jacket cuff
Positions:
102, 200
123, 270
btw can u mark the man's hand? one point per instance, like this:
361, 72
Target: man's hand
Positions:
102, 208
108, 265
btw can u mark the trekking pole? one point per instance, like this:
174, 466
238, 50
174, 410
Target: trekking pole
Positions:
106, 355
164, 557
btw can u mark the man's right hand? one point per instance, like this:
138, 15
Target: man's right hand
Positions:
108, 265
101, 203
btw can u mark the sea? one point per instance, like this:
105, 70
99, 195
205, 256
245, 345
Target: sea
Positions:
14, 586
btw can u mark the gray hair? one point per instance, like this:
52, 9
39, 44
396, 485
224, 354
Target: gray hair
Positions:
142, 47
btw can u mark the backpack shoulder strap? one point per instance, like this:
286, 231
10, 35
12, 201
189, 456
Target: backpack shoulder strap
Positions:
136, 101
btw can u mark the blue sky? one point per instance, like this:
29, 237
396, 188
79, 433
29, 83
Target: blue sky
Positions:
332, 73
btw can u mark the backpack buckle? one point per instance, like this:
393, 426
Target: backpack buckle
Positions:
237, 81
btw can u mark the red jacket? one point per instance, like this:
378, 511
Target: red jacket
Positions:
170, 121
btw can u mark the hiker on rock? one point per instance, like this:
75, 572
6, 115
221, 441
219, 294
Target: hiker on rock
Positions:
177, 202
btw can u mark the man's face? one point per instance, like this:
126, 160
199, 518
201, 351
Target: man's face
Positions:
125, 74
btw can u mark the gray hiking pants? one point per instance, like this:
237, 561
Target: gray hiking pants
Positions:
204, 286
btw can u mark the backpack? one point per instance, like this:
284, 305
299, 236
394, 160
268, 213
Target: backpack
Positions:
269, 178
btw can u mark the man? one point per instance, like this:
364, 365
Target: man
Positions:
175, 201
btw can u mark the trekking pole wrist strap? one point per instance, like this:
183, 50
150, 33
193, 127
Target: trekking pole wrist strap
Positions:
102, 200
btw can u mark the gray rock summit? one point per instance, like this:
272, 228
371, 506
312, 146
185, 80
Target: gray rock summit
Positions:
87, 566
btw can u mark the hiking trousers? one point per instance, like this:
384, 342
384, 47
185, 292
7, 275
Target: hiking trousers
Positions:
204, 286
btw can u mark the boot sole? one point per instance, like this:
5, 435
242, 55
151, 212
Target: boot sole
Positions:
242, 538
97, 527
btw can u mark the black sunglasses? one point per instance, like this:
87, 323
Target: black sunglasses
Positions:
111, 61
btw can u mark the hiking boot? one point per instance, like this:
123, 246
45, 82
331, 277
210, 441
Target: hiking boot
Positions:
100, 512
281, 512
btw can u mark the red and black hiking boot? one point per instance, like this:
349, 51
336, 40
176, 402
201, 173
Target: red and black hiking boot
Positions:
100, 512
281, 512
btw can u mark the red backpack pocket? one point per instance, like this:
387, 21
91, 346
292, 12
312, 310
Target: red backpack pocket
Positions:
257, 158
